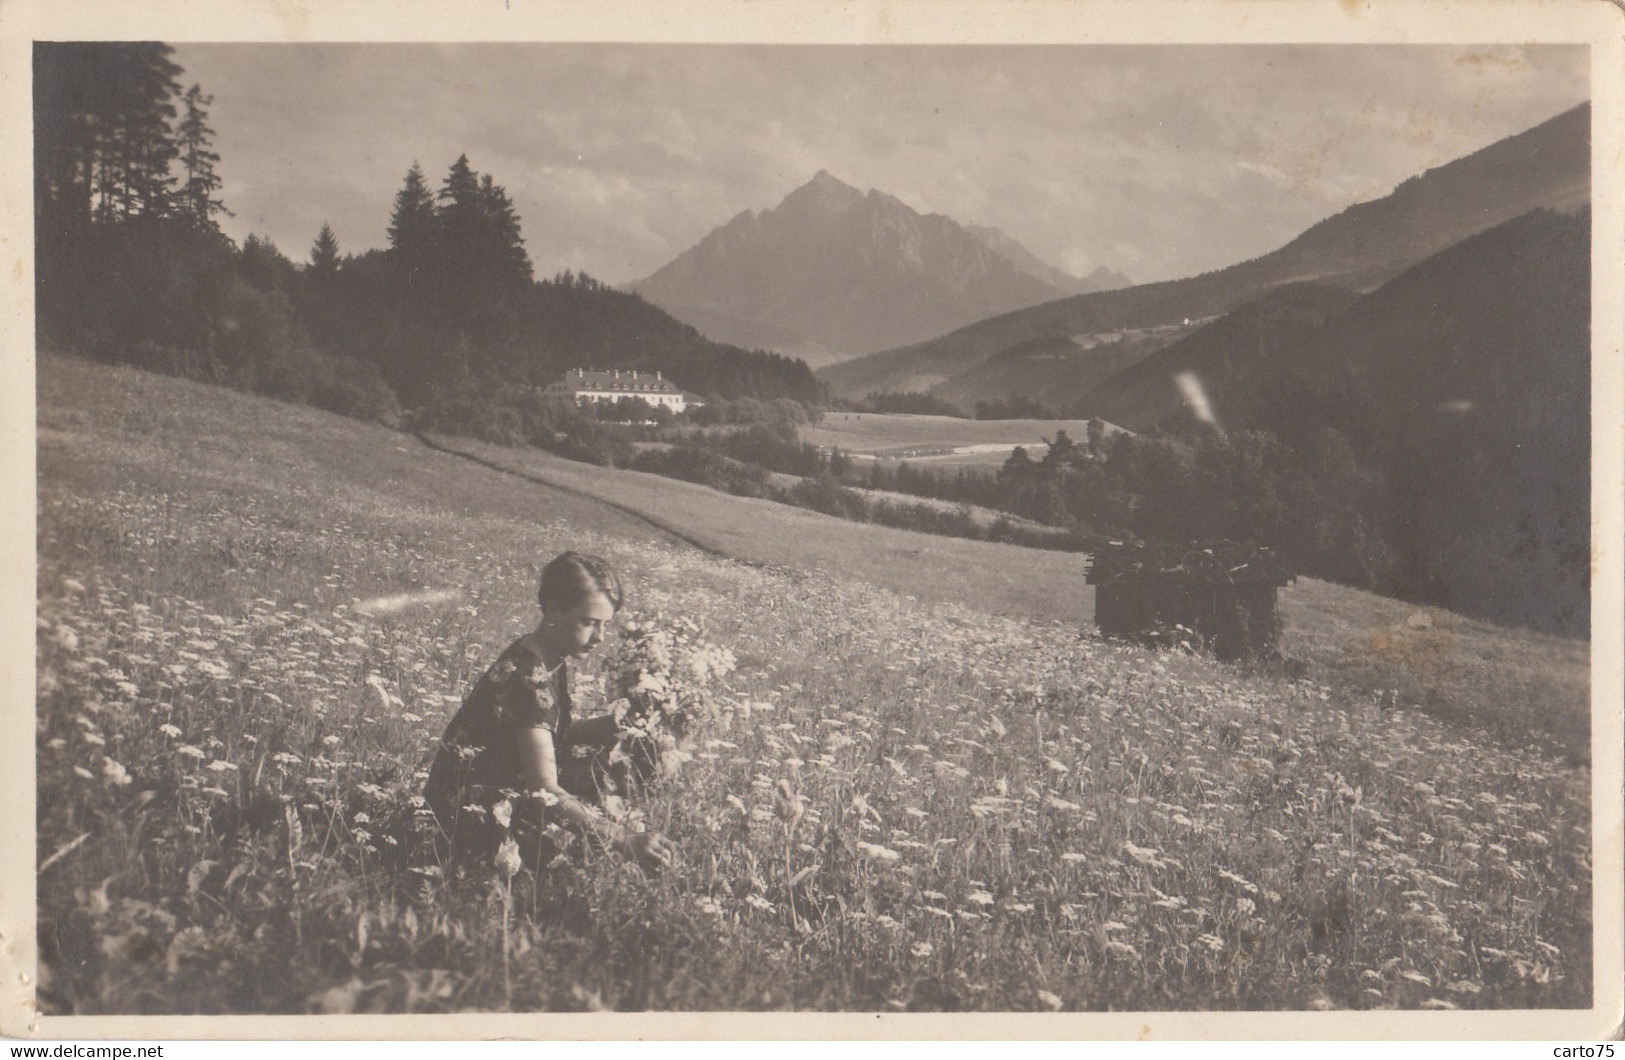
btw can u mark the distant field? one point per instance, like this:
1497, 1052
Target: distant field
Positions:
895, 435
927, 787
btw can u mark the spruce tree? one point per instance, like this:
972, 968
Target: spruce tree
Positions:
324, 253
458, 221
479, 231
136, 178
194, 141
504, 246
65, 136
102, 132
412, 228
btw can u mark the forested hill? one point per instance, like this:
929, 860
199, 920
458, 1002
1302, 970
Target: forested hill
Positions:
530, 338
1468, 380
1462, 385
577, 322
132, 266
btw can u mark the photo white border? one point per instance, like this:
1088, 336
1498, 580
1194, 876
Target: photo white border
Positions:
1598, 23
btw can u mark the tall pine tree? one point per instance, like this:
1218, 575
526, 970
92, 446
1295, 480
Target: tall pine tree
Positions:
324, 253
412, 239
194, 141
504, 245
135, 178
102, 137
458, 221
479, 231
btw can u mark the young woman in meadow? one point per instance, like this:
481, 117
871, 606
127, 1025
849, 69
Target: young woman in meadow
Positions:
516, 726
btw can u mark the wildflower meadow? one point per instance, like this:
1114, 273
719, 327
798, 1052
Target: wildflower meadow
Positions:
254, 621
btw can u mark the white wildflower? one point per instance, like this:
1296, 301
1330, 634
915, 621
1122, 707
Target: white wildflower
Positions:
1144, 855
508, 859
114, 773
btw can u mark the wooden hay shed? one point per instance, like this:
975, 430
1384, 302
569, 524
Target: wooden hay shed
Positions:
1216, 596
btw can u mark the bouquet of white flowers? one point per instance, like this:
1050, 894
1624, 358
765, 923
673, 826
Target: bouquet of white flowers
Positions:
661, 678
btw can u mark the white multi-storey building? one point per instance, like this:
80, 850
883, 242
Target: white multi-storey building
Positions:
580, 387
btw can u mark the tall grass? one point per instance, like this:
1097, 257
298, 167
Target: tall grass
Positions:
255, 619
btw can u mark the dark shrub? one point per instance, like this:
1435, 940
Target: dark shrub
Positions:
356, 388
169, 360
694, 464
824, 494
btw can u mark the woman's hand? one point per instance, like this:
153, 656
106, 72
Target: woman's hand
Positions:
651, 850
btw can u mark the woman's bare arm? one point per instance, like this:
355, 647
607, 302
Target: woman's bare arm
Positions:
539, 768
541, 773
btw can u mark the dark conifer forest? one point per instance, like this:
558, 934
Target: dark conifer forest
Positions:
132, 267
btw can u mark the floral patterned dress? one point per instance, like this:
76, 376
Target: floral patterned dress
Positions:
477, 765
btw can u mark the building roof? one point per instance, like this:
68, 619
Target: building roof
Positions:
618, 381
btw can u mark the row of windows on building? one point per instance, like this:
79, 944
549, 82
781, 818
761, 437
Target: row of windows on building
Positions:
582, 387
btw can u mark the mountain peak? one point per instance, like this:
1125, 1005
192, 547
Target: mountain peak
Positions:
824, 193
843, 269
824, 176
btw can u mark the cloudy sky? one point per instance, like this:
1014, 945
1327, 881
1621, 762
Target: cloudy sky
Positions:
1158, 161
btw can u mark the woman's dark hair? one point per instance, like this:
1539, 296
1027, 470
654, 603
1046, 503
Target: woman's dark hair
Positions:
572, 577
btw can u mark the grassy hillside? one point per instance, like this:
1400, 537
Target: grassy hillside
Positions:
993, 578
254, 620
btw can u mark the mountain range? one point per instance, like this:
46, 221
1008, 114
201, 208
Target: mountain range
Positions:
1001, 243
833, 272
1440, 333
1357, 249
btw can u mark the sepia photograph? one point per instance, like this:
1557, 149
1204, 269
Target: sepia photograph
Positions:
1002, 509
